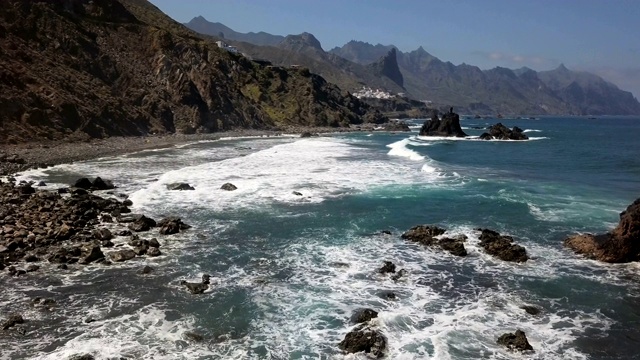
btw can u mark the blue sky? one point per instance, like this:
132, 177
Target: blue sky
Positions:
597, 36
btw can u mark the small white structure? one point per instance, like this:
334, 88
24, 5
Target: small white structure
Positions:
223, 45
367, 92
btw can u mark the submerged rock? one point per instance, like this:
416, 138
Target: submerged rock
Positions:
388, 267
364, 339
12, 321
517, 341
427, 235
502, 246
122, 255
621, 245
531, 310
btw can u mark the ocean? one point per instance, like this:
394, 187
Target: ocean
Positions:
288, 270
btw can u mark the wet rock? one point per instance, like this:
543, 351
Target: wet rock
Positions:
388, 267
502, 246
122, 255
32, 268
83, 183
307, 134
620, 245
423, 234
296, 193
12, 321
385, 232
102, 234
100, 184
501, 132
399, 275
44, 302
171, 225
228, 187
127, 202
31, 258
388, 295
124, 233
448, 126
92, 253
153, 252
531, 310
27, 189
141, 223
363, 315
180, 186
41, 183
154, 243
197, 288
517, 341
453, 246
81, 357
192, 336
364, 339
146, 270
64, 232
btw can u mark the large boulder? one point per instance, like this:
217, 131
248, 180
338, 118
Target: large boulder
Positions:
83, 183
502, 246
92, 253
621, 245
228, 187
448, 126
142, 223
501, 132
122, 255
12, 321
100, 184
397, 126
171, 225
364, 339
517, 341
363, 315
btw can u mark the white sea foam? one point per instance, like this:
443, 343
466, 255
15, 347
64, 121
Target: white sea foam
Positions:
531, 130
473, 138
399, 148
318, 168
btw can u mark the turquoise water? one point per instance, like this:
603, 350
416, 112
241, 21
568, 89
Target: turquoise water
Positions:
288, 270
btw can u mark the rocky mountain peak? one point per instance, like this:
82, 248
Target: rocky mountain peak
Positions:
388, 66
301, 41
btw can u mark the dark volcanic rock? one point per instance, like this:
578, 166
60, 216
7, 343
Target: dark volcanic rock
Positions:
363, 315
100, 184
142, 223
388, 295
388, 267
122, 255
81, 356
517, 341
146, 270
12, 321
399, 275
501, 132
531, 310
448, 126
619, 246
502, 246
364, 339
83, 183
228, 187
427, 235
397, 126
171, 225
197, 288
180, 186
93, 253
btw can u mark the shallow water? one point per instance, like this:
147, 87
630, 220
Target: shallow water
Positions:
288, 270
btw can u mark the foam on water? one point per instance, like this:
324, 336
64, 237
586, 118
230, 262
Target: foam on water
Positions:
473, 138
399, 148
318, 168
531, 130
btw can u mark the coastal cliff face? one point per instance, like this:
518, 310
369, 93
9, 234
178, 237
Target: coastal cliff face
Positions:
77, 69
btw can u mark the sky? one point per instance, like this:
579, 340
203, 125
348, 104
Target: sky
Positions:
599, 36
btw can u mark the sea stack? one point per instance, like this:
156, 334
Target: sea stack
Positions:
448, 126
619, 246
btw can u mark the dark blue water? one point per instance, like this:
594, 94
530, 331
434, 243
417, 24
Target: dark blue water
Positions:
288, 270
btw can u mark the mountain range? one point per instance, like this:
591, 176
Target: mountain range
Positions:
420, 75
90, 69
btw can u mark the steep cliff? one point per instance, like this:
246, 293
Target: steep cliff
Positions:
92, 69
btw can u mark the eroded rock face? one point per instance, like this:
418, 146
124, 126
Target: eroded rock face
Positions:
516, 342
619, 246
502, 246
364, 339
448, 126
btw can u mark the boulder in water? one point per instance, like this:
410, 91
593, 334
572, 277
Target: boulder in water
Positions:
197, 288
517, 341
363, 316
180, 186
364, 339
502, 246
228, 187
501, 132
388, 267
12, 321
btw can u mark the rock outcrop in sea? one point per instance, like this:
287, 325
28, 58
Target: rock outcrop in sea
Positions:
620, 245
501, 132
448, 126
